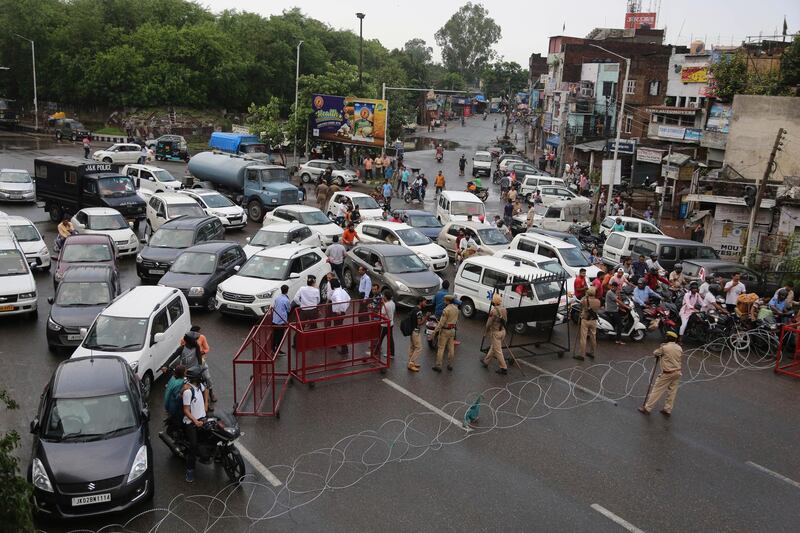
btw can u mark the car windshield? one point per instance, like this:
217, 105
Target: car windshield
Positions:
190, 210
265, 267
194, 263
270, 238
573, 257
573, 240
163, 175
12, 263
77, 125
424, 221
412, 237
546, 290
483, 158
107, 222
314, 218
116, 187
86, 253
401, 264
216, 200
492, 237
554, 267
466, 208
171, 238
253, 148
15, 177
90, 418
271, 175
116, 334
365, 202
26, 233
80, 293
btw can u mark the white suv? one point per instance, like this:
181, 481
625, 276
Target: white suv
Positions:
433, 255
253, 289
310, 216
482, 164
119, 153
17, 286
30, 240
166, 206
144, 326
311, 170
218, 205
149, 179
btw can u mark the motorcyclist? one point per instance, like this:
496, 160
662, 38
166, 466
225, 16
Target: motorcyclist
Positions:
653, 262
478, 183
439, 152
677, 279
643, 295
652, 278
194, 413
710, 299
692, 302
778, 306
471, 187
65, 229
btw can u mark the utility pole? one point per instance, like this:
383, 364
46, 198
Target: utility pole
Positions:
35, 97
664, 187
760, 186
296, 90
360, 48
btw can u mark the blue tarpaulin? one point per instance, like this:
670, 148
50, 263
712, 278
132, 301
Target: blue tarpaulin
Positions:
480, 98
553, 140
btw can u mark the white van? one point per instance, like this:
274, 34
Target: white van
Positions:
478, 276
144, 326
17, 286
619, 244
149, 179
457, 205
570, 257
550, 264
530, 183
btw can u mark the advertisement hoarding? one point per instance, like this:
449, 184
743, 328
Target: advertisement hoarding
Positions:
625, 147
649, 155
634, 21
719, 117
348, 119
694, 75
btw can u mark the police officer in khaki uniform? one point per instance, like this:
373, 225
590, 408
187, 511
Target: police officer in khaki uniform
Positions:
496, 330
446, 329
670, 354
322, 196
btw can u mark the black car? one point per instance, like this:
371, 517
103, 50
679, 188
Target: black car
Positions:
91, 444
82, 294
170, 240
763, 284
199, 269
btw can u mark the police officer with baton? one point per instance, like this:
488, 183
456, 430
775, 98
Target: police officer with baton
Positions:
668, 355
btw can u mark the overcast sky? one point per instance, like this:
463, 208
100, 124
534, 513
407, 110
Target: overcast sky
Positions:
526, 29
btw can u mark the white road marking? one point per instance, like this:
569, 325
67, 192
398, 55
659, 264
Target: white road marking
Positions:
774, 474
259, 466
616, 519
565, 380
426, 404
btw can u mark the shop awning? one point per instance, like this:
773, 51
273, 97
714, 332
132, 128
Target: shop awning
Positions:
676, 159
698, 215
592, 146
553, 140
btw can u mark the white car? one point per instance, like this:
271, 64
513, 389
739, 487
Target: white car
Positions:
570, 257
632, 225
16, 186
369, 208
166, 206
278, 234
149, 179
119, 153
30, 241
507, 160
218, 205
489, 239
482, 164
305, 214
433, 255
17, 286
554, 193
311, 170
107, 221
252, 290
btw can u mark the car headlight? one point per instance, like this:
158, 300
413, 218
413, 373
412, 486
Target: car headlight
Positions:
133, 240
39, 476
274, 200
138, 258
26, 295
425, 258
196, 291
51, 324
134, 366
44, 251
266, 295
402, 287
139, 465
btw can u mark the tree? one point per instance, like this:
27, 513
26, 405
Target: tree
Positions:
790, 65
415, 57
265, 121
729, 77
467, 40
504, 78
15, 492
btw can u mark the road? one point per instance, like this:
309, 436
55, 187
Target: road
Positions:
558, 446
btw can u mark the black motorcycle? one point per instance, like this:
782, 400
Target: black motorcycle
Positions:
590, 241
411, 194
215, 441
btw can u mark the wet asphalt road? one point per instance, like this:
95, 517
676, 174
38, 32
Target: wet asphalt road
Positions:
360, 455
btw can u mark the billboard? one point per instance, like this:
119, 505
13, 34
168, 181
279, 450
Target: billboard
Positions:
719, 117
348, 119
694, 75
634, 21
649, 155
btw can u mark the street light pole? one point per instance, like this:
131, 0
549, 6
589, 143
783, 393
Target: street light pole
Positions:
296, 90
360, 48
35, 97
619, 125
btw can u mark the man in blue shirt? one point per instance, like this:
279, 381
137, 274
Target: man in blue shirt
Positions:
387, 193
642, 293
280, 316
438, 299
778, 306
639, 268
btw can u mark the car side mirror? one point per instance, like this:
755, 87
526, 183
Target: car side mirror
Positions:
158, 337
83, 332
294, 275
247, 240
50, 300
236, 268
35, 426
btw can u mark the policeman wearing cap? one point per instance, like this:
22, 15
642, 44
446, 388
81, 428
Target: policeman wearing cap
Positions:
669, 356
308, 300
446, 329
496, 331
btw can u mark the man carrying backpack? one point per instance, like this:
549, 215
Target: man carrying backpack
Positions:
194, 413
173, 403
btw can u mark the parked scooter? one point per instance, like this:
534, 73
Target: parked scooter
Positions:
215, 441
632, 326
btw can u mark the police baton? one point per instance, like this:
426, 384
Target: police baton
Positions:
652, 377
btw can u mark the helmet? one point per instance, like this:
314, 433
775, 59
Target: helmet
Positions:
693, 285
194, 373
653, 255
783, 293
653, 270
678, 266
715, 289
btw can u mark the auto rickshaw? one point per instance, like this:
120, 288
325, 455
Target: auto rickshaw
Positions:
171, 148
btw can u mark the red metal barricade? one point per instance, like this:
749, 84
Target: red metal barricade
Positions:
266, 384
329, 345
792, 368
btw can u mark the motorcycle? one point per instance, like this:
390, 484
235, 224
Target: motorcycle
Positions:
632, 326
430, 327
481, 192
590, 241
411, 194
215, 441
439, 157
706, 327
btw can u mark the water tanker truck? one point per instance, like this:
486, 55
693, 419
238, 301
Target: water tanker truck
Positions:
255, 185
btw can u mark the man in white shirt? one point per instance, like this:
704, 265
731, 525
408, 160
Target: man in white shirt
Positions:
364, 288
336, 253
194, 412
340, 303
388, 308
732, 291
308, 300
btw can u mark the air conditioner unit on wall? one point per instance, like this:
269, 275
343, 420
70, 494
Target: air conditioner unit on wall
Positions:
587, 92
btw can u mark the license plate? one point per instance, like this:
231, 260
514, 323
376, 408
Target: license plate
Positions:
6, 307
94, 498
73, 337
235, 307
155, 271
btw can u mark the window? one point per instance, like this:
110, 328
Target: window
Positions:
628, 123
453, 230
372, 231
667, 252
278, 213
252, 175
608, 222
70, 177
632, 226
494, 278
160, 323
175, 310
553, 212
132, 172
229, 257
89, 187
655, 87
526, 246
547, 252
302, 234
154, 203
297, 266
309, 260
644, 248
216, 229
82, 218
615, 240
41, 172
649, 228
363, 255
630, 87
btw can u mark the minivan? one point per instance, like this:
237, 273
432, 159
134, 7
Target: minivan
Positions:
671, 251
531, 183
570, 256
458, 205
144, 326
620, 244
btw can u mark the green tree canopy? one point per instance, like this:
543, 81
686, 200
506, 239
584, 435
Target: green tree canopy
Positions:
467, 40
504, 78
